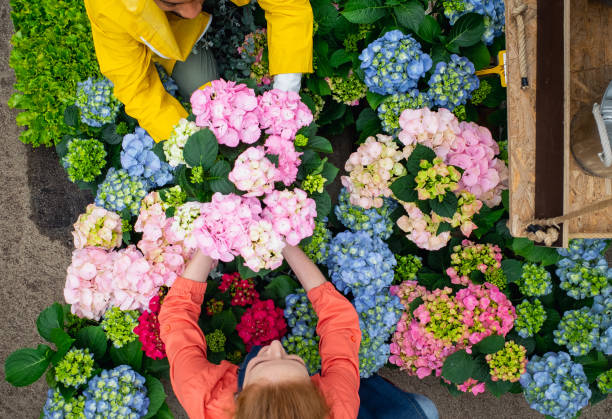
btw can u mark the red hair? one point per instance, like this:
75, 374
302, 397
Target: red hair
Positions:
285, 400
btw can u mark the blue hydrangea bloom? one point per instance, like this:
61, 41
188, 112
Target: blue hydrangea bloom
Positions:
452, 83
602, 310
378, 316
394, 63
120, 191
138, 158
583, 278
554, 385
96, 102
391, 108
56, 407
120, 392
374, 221
578, 331
360, 263
167, 81
302, 339
492, 10
584, 249
373, 354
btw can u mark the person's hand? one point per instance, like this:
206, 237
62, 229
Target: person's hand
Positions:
199, 267
288, 82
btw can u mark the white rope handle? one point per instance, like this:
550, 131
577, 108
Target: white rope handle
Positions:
606, 154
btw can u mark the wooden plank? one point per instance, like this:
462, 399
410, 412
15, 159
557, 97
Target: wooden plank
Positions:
590, 69
550, 111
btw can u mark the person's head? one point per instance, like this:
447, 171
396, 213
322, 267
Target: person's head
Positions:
277, 386
187, 9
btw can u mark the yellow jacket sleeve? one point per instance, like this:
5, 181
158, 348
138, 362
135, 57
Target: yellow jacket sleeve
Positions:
290, 25
129, 65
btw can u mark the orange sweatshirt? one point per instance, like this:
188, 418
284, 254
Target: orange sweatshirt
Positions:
206, 390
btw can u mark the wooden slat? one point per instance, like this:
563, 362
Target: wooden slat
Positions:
590, 70
550, 111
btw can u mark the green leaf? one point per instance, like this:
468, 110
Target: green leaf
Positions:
24, 366
458, 367
50, 318
71, 116
63, 342
447, 207
157, 367
201, 149
513, 269
429, 29
410, 15
324, 204
497, 388
278, 289
374, 99
156, 395
94, 338
481, 370
414, 304
110, 136
158, 149
490, 344
225, 321
320, 144
368, 123
310, 162
364, 11
443, 227
61, 148
164, 412
478, 54
129, 354
467, 31
329, 172
221, 171
340, 57
552, 320
532, 253
419, 153
439, 54
486, 219
403, 189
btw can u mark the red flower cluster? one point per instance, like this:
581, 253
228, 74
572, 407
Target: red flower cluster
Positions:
242, 290
261, 324
148, 330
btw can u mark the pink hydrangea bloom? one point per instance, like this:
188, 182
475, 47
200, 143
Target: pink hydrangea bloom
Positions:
160, 246
229, 110
487, 311
87, 282
97, 227
423, 340
222, 229
473, 386
288, 158
474, 150
408, 291
372, 169
254, 173
291, 214
264, 250
436, 130
421, 229
133, 283
283, 113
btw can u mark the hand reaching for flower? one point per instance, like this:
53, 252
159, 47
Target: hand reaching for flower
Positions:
199, 267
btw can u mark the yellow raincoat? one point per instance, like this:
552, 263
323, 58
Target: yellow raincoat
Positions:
130, 35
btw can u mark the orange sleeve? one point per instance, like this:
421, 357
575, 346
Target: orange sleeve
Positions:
340, 337
201, 386
129, 65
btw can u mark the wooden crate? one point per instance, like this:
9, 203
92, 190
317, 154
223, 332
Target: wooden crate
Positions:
588, 70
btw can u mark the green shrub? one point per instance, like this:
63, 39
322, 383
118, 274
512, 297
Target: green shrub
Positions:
52, 51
